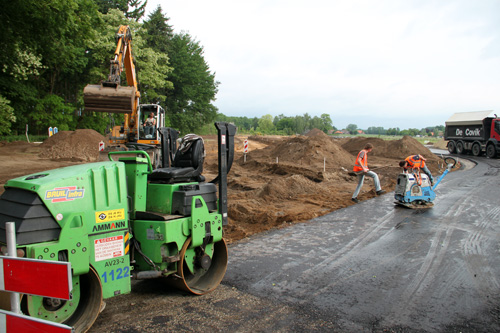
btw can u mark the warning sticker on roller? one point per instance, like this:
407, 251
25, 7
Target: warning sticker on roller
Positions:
108, 248
109, 215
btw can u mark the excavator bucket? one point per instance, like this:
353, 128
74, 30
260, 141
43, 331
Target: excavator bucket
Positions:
99, 98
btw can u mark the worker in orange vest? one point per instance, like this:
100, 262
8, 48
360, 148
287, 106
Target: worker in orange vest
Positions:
361, 169
416, 162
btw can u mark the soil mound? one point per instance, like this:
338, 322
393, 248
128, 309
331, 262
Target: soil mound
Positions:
441, 144
316, 132
79, 145
306, 151
396, 149
289, 187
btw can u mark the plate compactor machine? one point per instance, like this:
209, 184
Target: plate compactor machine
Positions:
414, 189
120, 220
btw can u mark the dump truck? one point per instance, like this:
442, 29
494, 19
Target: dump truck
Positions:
475, 132
121, 219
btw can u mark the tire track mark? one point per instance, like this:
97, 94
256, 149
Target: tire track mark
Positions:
476, 261
430, 266
339, 257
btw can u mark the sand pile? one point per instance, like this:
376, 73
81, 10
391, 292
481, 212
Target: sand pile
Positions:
396, 149
290, 187
441, 144
79, 145
315, 132
305, 151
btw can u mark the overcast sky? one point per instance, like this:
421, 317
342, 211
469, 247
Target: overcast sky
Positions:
389, 63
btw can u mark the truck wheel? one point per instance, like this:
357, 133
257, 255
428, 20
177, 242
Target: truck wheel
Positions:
491, 151
451, 147
460, 147
476, 149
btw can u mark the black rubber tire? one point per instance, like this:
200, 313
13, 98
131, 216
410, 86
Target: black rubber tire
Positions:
460, 147
452, 147
203, 281
491, 151
476, 149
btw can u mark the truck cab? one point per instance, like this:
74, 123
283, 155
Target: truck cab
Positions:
473, 132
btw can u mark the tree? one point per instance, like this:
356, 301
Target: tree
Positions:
42, 52
6, 116
136, 9
287, 125
300, 124
133, 9
158, 33
189, 103
52, 111
394, 131
266, 124
255, 123
375, 130
326, 122
352, 128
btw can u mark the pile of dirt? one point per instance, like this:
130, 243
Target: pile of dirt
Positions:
315, 132
80, 145
314, 150
392, 149
441, 144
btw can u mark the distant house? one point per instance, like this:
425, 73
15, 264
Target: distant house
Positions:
339, 132
361, 132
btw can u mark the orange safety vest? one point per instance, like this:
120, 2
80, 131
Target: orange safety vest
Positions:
364, 162
415, 162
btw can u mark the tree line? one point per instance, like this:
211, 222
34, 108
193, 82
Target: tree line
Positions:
50, 50
283, 125
280, 125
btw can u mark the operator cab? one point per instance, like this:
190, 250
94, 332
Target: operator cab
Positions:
149, 134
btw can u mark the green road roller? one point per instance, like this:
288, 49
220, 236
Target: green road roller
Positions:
119, 220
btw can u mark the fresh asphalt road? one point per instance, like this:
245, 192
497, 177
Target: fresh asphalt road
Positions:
375, 266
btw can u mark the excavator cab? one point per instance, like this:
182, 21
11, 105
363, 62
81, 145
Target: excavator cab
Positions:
148, 134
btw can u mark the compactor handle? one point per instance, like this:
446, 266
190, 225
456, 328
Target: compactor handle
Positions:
138, 152
448, 169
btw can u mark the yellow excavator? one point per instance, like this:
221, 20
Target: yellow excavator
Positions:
111, 96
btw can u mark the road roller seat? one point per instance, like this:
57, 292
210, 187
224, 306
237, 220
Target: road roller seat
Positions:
187, 165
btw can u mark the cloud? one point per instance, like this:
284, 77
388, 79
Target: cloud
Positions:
371, 63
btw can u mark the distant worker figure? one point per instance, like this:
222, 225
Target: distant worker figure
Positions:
149, 125
416, 162
361, 169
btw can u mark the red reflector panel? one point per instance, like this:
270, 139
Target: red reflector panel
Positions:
36, 277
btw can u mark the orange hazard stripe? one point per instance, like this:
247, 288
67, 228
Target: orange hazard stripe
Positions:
126, 240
